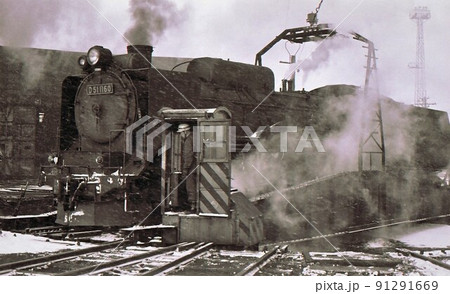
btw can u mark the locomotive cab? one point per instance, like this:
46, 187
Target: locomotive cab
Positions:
218, 214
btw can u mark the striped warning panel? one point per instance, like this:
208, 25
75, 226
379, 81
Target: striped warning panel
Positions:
214, 187
251, 230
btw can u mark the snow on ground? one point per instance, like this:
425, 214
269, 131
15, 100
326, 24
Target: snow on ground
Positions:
242, 253
431, 235
21, 243
425, 268
106, 237
421, 235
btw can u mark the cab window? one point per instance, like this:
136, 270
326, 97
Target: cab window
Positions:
214, 143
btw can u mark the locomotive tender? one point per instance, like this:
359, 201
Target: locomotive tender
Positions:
98, 183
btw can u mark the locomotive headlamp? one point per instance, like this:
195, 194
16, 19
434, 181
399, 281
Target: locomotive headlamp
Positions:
93, 55
82, 61
99, 56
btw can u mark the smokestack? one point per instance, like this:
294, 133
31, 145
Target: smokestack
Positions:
140, 55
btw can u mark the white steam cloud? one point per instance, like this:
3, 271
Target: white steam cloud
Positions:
340, 121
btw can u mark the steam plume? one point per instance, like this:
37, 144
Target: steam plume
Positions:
150, 19
339, 128
320, 57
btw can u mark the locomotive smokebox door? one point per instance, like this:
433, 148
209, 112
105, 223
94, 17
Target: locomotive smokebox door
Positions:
196, 174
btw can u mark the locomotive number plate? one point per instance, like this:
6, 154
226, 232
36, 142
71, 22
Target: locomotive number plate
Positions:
100, 89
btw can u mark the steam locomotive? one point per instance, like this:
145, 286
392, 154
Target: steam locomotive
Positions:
99, 182
98, 176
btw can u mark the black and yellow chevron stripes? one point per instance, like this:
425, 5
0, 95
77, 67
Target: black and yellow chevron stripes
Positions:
214, 187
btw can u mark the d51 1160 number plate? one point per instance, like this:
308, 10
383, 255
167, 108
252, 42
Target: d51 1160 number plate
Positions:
100, 89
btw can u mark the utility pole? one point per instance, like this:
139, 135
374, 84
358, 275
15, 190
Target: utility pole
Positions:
372, 150
419, 15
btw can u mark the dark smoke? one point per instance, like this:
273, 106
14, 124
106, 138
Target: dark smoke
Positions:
150, 19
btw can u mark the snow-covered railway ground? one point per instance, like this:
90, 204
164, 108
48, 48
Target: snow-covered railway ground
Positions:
373, 254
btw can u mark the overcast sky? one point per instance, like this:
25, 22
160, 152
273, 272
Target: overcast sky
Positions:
238, 29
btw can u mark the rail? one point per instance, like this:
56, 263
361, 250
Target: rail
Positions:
254, 267
407, 252
184, 259
98, 268
33, 262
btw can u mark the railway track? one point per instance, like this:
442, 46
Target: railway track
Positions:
351, 263
221, 262
117, 258
257, 265
112, 258
383, 257
198, 250
174, 260
386, 261
24, 266
437, 256
189, 258
102, 266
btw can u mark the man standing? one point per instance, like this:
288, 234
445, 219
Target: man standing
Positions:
188, 164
